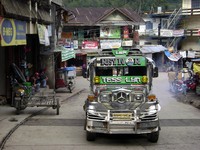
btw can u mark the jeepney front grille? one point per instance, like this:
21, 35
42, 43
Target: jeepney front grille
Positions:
97, 115
149, 117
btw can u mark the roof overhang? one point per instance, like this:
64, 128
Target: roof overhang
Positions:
152, 48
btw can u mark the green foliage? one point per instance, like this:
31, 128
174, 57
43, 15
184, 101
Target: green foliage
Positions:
138, 5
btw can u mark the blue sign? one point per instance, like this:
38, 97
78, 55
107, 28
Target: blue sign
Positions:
7, 31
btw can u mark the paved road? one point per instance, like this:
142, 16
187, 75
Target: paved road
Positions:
180, 127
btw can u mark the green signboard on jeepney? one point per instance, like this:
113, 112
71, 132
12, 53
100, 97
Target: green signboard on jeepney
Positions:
121, 79
121, 61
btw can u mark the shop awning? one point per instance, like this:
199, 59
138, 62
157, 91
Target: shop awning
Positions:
66, 54
172, 56
16, 8
20, 9
88, 52
152, 48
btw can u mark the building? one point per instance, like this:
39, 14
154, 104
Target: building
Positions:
90, 30
27, 31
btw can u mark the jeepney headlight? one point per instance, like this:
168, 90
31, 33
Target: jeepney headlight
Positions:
138, 97
105, 97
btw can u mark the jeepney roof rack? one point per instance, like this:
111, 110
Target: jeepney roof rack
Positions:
132, 51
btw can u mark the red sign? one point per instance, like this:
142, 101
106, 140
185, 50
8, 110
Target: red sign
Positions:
126, 32
90, 45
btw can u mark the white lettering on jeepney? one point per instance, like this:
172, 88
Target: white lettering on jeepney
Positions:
112, 61
111, 79
133, 80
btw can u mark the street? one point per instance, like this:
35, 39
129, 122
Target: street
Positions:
180, 126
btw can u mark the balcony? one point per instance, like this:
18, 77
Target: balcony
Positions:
191, 11
192, 32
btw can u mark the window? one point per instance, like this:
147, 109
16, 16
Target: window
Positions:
149, 25
195, 3
121, 71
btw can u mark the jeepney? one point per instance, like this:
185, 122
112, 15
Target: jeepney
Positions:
121, 99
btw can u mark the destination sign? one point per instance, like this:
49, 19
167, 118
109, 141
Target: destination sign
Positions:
121, 61
121, 80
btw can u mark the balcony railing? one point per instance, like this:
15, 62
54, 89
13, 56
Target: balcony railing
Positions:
192, 32
191, 11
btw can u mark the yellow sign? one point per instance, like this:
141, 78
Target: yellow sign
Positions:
13, 32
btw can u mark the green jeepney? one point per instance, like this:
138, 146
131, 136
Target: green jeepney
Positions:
121, 101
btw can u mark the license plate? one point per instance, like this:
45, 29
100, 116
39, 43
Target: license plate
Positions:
123, 122
122, 116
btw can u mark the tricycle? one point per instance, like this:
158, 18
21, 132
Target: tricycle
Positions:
66, 78
24, 95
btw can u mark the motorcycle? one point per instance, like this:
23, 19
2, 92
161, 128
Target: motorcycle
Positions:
21, 90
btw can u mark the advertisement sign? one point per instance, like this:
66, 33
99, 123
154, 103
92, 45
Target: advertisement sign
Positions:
109, 44
13, 32
67, 35
127, 43
110, 32
126, 32
90, 45
43, 35
166, 33
171, 33
178, 33
75, 44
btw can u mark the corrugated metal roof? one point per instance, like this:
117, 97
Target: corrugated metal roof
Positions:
13, 7
91, 16
17, 9
152, 48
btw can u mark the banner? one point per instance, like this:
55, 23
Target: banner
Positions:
43, 35
13, 32
109, 44
66, 53
110, 32
90, 45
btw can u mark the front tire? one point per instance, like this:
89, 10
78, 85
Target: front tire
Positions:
153, 137
90, 136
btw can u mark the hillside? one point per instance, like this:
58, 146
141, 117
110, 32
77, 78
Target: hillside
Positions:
138, 5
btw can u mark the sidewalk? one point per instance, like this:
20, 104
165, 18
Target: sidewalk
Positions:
9, 120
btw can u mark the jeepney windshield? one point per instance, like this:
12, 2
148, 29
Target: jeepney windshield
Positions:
121, 71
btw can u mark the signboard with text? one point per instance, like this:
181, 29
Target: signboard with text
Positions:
89, 45
110, 32
121, 61
120, 79
109, 44
13, 32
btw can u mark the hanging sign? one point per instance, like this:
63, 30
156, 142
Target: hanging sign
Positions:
13, 32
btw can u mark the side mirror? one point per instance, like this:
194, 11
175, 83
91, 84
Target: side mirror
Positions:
155, 72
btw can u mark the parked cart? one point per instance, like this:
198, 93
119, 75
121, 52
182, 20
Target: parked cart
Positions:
23, 95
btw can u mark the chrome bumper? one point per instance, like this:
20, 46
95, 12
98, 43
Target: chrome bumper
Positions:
103, 122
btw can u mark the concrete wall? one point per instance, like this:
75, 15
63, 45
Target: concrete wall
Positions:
191, 22
191, 43
186, 4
